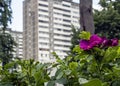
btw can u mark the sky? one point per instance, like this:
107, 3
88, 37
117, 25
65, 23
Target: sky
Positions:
17, 17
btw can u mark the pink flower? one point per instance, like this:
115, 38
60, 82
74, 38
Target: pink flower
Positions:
85, 45
114, 42
104, 42
89, 44
95, 40
110, 42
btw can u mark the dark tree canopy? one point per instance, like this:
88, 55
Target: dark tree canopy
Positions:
5, 13
6, 41
107, 20
6, 47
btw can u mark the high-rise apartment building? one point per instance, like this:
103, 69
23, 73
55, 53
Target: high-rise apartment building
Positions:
18, 38
47, 27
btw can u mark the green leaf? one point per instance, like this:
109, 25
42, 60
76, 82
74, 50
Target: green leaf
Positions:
61, 81
59, 75
82, 80
55, 55
94, 82
6, 84
116, 71
51, 83
85, 35
118, 51
116, 83
73, 65
110, 54
58, 72
9, 65
77, 49
67, 72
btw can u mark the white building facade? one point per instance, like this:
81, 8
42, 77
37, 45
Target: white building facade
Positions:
47, 28
18, 38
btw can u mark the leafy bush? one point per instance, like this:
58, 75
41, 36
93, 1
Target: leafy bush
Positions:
28, 73
96, 63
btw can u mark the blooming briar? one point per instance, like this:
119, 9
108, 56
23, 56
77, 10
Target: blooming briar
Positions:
85, 45
114, 42
89, 44
95, 40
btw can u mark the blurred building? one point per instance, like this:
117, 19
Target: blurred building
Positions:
47, 28
18, 38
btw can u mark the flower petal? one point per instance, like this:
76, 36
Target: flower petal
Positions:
85, 45
95, 40
114, 42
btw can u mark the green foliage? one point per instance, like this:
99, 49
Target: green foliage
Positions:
85, 35
75, 38
28, 73
6, 47
107, 20
6, 41
66, 72
99, 66
5, 13
95, 67
94, 82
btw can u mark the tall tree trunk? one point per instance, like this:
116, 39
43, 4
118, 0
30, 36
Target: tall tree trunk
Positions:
86, 16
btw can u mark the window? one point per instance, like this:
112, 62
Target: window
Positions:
43, 26
62, 9
57, 13
56, 2
66, 15
58, 19
66, 5
75, 17
67, 31
57, 24
66, 25
75, 12
67, 0
65, 20
43, 21
44, 16
43, 5
42, 10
